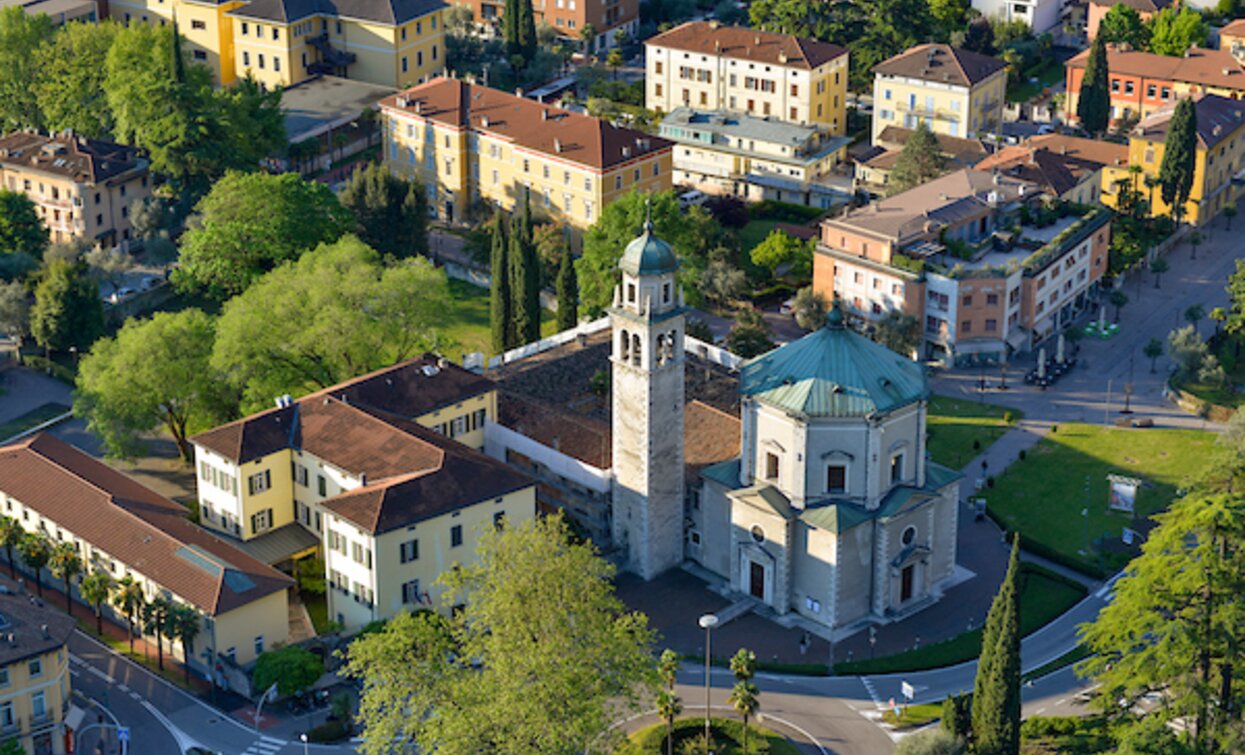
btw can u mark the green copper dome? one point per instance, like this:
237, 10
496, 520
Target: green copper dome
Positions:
834, 372
648, 255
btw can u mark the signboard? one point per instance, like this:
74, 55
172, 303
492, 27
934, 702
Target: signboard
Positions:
907, 690
123, 734
1123, 493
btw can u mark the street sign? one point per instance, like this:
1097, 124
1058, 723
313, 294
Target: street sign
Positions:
907, 691
123, 734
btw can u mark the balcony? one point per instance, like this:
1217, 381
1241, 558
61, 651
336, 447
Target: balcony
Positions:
331, 58
924, 112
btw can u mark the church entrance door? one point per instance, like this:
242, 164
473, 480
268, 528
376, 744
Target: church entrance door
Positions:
756, 580
905, 583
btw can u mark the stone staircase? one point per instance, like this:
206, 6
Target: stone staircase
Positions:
743, 605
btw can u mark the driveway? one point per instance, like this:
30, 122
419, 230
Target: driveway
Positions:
26, 390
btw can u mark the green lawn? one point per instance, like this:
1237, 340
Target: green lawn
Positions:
913, 716
318, 609
954, 424
754, 233
727, 735
467, 321
1049, 71
31, 419
1043, 597
1043, 495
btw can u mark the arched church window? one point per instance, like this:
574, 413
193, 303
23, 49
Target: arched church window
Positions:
635, 350
758, 534
624, 346
631, 293
660, 354
909, 535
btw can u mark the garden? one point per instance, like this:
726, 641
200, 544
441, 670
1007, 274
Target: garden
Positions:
466, 322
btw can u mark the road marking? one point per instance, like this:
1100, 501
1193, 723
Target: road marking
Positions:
123, 688
100, 674
873, 693
273, 740
73, 672
136, 696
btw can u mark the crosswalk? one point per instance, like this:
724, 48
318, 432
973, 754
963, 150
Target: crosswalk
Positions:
264, 746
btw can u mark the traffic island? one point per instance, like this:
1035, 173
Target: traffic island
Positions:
726, 734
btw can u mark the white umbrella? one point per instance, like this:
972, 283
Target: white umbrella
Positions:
1059, 349
1042, 363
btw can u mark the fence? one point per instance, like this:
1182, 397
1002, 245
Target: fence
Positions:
499, 439
544, 344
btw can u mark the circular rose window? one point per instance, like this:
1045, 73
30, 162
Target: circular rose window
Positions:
758, 534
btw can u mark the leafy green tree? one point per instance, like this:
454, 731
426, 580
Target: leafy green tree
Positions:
524, 276
950, 15
1174, 30
500, 323
249, 223
920, 161
996, 696
809, 309
750, 336
292, 668
21, 35
899, 332
11, 534
155, 615
1218, 315
1194, 314
1153, 350
249, 123
1117, 299
1093, 103
67, 310
780, 248
568, 293
21, 229
745, 699
36, 550
72, 71
497, 675
129, 600
12, 747
957, 716
1158, 267
1174, 623
1179, 157
391, 213
979, 36
744, 666
722, 282
14, 310
153, 373
335, 313
1234, 323
95, 589
1123, 25
668, 709
691, 234
184, 625
65, 564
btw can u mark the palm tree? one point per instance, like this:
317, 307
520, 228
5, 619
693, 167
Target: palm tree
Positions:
668, 708
1195, 238
1117, 299
1158, 267
1134, 172
11, 534
184, 624
1229, 212
1153, 350
65, 565
155, 622
668, 667
1219, 315
1152, 183
129, 598
745, 702
36, 550
744, 665
95, 589
1194, 314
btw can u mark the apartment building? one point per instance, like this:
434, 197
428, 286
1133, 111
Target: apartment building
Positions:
82, 188
1068, 167
953, 91
569, 18
753, 158
469, 145
121, 527
1039, 15
708, 66
382, 474
1143, 82
988, 263
60, 11
282, 42
1146, 9
1232, 39
1219, 173
35, 683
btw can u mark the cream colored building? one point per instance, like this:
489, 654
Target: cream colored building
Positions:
469, 145
60, 11
382, 474
708, 66
82, 188
35, 683
953, 91
125, 529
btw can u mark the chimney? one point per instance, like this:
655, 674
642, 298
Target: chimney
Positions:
484, 121
714, 24
626, 152
363, 479
544, 114
717, 45
756, 40
518, 91
419, 106
557, 146
782, 57
43, 629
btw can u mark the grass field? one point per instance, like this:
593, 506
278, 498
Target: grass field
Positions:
954, 424
1043, 596
467, 321
1066, 472
30, 419
754, 233
913, 716
318, 609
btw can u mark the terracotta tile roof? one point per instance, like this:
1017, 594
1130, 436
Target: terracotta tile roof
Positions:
711, 38
1216, 68
1141, 6
1081, 150
35, 627
133, 524
77, 158
710, 436
943, 64
1217, 119
576, 435
1234, 29
1055, 161
550, 130
359, 443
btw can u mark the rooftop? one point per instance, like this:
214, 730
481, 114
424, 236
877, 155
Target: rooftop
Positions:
741, 125
943, 64
28, 627
133, 524
1217, 119
1234, 29
1215, 68
82, 160
1056, 162
712, 38
959, 153
532, 125
390, 12
314, 106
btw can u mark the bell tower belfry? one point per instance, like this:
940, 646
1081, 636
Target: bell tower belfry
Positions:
647, 321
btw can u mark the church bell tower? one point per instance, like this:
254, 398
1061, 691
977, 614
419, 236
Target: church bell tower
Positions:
647, 321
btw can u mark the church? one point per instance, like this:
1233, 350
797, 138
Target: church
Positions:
830, 509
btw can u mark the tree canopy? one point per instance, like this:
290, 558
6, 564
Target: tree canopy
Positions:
292, 668
335, 313
498, 676
21, 36
67, 311
780, 248
152, 373
22, 231
1174, 30
391, 213
920, 161
1123, 25
251, 222
1179, 158
72, 74
1093, 104
996, 695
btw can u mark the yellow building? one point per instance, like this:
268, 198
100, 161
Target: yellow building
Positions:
1232, 38
469, 144
123, 528
1220, 166
360, 471
82, 188
34, 674
283, 42
708, 66
955, 92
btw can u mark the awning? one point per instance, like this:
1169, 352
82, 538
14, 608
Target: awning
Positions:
281, 544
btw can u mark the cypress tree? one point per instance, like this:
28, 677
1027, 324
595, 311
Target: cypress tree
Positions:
526, 30
568, 292
520, 273
1093, 105
1179, 157
499, 293
996, 697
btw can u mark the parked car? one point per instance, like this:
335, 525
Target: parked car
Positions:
693, 198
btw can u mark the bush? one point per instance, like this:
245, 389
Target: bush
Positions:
1022, 454
1041, 727
784, 212
932, 742
331, 731
44, 364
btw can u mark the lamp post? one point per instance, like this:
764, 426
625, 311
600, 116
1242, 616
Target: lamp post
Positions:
303, 738
707, 622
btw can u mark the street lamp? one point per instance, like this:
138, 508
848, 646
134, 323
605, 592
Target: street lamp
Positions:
707, 623
303, 737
